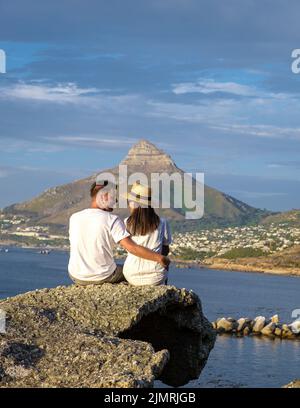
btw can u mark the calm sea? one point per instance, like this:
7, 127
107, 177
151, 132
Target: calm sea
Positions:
234, 362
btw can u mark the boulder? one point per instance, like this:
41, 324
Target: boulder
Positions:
103, 336
269, 329
295, 327
275, 319
225, 325
241, 324
259, 323
293, 384
287, 332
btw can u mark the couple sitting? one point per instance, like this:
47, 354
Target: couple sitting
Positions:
94, 232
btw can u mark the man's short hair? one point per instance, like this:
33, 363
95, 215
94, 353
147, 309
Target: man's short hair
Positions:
94, 189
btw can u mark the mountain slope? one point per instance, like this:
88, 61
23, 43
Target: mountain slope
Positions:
55, 205
290, 218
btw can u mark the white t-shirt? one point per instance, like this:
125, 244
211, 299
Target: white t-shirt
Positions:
138, 271
93, 234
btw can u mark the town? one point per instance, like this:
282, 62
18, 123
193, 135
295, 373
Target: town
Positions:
243, 241
235, 241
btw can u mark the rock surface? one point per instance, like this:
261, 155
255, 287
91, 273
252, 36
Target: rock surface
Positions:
103, 336
293, 384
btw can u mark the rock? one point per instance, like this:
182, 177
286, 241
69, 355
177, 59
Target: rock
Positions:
275, 319
259, 323
103, 336
293, 384
287, 333
224, 325
241, 324
246, 331
269, 329
295, 327
278, 332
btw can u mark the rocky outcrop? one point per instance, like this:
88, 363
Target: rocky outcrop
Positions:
260, 325
293, 384
103, 336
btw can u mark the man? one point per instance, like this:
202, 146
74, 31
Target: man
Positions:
93, 233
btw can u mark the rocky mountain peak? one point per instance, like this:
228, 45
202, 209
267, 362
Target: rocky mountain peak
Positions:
145, 153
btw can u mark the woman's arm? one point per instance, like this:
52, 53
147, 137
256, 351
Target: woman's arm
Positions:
142, 252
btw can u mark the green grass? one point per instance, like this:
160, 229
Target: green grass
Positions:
188, 254
243, 253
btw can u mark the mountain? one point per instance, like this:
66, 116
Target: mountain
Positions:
54, 206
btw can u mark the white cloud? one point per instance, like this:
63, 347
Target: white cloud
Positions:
60, 93
93, 140
205, 113
208, 86
254, 116
14, 146
266, 131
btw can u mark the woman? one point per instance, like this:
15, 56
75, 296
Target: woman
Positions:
150, 231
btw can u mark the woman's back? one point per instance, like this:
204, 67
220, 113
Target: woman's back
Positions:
139, 271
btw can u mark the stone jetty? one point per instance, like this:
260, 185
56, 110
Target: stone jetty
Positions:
271, 327
103, 336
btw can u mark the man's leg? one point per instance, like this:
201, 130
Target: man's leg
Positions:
117, 276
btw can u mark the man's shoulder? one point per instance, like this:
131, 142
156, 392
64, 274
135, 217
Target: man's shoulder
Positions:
78, 214
114, 218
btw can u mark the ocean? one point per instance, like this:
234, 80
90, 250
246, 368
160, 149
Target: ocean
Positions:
234, 362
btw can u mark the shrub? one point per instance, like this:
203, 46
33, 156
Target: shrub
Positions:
243, 253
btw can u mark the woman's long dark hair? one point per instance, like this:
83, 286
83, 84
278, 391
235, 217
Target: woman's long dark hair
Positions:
142, 221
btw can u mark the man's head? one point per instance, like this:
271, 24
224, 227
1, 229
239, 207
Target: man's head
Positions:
103, 195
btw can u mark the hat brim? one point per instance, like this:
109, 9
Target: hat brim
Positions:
142, 201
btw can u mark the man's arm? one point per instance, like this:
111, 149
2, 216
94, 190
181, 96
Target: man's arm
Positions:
142, 252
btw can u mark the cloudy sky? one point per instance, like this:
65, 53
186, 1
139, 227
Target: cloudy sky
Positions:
208, 81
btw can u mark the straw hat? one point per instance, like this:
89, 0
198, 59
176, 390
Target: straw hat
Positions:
140, 194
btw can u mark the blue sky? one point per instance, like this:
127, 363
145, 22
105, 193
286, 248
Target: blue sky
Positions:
210, 82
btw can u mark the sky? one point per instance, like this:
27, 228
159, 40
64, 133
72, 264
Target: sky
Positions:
210, 82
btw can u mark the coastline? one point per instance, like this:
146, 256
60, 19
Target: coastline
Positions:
225, 265
240, 267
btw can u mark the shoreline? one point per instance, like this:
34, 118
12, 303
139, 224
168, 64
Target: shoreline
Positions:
235, 267
252, 269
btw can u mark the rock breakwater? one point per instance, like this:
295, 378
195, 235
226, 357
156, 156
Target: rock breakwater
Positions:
271, 327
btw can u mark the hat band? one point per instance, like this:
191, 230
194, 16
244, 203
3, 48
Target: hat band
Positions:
140, 197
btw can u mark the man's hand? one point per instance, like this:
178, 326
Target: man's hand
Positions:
165, 261
145, 253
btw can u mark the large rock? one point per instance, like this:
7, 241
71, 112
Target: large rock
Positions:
293, 384
103, 336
